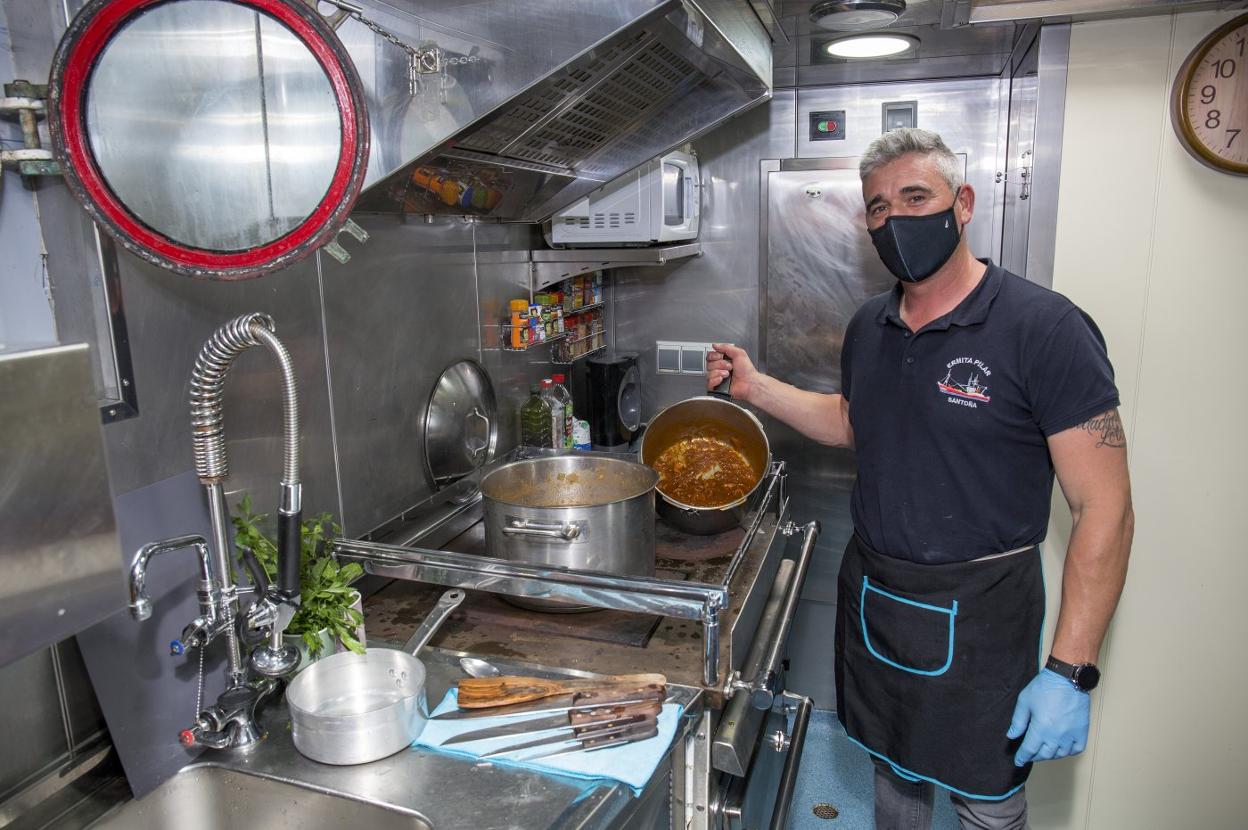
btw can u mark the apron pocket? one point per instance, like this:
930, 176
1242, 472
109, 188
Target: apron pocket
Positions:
913, 636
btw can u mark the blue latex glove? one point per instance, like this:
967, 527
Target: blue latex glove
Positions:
1054, 714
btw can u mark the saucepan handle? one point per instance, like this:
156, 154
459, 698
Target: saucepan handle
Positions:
724, 390
477, 447
447, 603
559, 531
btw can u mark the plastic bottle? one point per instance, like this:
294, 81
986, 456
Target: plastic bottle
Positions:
580, 436
556, 413
565, 403
535, 417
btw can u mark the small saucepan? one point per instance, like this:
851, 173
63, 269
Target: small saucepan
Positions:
354, 708
716, 419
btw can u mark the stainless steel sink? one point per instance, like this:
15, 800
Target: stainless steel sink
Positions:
212, 798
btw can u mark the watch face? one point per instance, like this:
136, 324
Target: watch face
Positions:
1087, 677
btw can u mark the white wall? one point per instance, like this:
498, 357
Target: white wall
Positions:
1155, 247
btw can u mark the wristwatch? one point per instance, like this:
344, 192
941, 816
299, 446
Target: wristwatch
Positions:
1083, 676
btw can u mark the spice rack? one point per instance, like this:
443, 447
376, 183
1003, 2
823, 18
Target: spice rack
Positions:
569, 317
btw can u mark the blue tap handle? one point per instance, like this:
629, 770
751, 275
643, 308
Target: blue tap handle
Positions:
176, 648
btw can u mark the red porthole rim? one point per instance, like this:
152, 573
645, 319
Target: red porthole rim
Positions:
84, 40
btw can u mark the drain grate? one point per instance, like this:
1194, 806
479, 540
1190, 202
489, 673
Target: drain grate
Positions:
825, 811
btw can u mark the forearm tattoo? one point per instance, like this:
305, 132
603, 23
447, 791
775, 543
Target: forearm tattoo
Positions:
1108, 428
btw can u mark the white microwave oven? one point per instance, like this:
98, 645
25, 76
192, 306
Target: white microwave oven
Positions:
660, 201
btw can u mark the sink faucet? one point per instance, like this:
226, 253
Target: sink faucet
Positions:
231, 722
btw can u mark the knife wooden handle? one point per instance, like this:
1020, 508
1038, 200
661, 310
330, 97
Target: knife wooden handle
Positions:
649, 709
613, 694
483, 692
641, 732
611, 727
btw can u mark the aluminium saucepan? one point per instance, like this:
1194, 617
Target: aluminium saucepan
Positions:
707, 416
354, 708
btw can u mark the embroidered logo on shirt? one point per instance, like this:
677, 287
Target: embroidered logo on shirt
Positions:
964, 382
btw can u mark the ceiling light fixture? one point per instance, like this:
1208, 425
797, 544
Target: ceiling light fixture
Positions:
856, 15
860, 47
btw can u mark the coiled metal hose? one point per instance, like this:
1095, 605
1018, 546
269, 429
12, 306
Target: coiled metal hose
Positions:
207, 386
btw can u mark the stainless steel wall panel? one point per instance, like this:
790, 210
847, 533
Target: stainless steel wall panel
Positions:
821, 266
58, 536
965, 113
402, 310
1046, 161
812, 671
170, 317
1020, 148
85, 717
33, 733
714, 296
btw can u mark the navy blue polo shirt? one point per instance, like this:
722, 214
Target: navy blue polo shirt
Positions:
950, 422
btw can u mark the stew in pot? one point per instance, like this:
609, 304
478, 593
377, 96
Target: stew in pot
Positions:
704, 472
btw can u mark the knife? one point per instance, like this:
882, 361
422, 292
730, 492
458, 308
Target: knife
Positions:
640, 732
616, 695
574, 719
612, 728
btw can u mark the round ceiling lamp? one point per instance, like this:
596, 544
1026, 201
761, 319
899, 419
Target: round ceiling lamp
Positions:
860, 47
856, 15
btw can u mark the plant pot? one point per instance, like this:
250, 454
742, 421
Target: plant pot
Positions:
329, 643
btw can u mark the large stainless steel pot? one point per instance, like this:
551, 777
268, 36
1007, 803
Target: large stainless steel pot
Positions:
588, 512
354, 708
708, 416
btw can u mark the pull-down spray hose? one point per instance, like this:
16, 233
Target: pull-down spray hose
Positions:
208, 426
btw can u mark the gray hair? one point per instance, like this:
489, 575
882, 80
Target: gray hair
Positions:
897, 143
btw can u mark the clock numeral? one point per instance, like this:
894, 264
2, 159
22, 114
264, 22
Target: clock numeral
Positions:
1207, 93
1234, 134
1224, 68
1241, 46
1213, 119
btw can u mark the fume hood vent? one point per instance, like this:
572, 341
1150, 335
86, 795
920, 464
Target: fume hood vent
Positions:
669, 75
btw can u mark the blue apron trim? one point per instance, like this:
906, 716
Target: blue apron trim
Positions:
1044, 609
866, 637
914, 776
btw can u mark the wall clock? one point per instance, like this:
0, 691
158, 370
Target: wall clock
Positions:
1209, 104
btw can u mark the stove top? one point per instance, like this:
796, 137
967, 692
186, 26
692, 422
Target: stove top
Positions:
744, 560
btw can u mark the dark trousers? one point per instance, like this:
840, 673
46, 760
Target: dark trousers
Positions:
904, 804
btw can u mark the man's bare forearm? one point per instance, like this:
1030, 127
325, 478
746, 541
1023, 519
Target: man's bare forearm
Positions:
820, 417
1092, 580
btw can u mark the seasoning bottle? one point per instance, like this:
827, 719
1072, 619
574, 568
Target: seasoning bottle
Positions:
564, 397
535, 420
554, 425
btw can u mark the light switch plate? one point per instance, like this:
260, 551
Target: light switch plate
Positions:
679, 357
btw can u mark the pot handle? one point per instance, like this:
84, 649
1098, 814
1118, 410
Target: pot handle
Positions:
477, 449
447, 603
724, 390
561, 531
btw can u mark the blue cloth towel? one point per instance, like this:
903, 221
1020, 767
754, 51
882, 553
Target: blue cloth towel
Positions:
631, 763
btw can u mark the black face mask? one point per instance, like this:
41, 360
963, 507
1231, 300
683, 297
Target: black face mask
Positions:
915, 247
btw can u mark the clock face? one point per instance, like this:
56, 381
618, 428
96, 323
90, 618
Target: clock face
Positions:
1210, 103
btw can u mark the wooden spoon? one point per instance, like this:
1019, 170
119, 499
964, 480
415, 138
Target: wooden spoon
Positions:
483, 692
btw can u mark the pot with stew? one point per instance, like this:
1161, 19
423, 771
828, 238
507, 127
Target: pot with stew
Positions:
711, 455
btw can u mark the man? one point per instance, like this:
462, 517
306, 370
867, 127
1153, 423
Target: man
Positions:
964, 389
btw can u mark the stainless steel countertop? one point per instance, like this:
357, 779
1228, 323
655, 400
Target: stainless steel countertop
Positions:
449, 792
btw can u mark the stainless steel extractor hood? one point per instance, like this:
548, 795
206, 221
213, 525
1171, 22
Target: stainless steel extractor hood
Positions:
671, 72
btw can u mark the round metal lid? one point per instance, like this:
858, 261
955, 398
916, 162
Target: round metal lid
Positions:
461, 423
220, 139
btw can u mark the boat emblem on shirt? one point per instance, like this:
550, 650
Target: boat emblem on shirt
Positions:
964, 381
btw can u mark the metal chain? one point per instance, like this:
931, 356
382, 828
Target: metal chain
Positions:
419, 61
199, 687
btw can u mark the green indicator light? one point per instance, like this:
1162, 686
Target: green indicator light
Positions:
822, 126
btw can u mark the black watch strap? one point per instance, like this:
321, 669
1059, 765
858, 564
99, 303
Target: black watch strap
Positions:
1083, 676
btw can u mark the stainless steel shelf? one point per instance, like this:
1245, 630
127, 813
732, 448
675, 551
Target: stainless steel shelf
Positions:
552, 266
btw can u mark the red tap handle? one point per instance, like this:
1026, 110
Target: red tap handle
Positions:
186, 737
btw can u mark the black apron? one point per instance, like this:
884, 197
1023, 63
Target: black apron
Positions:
930, 660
